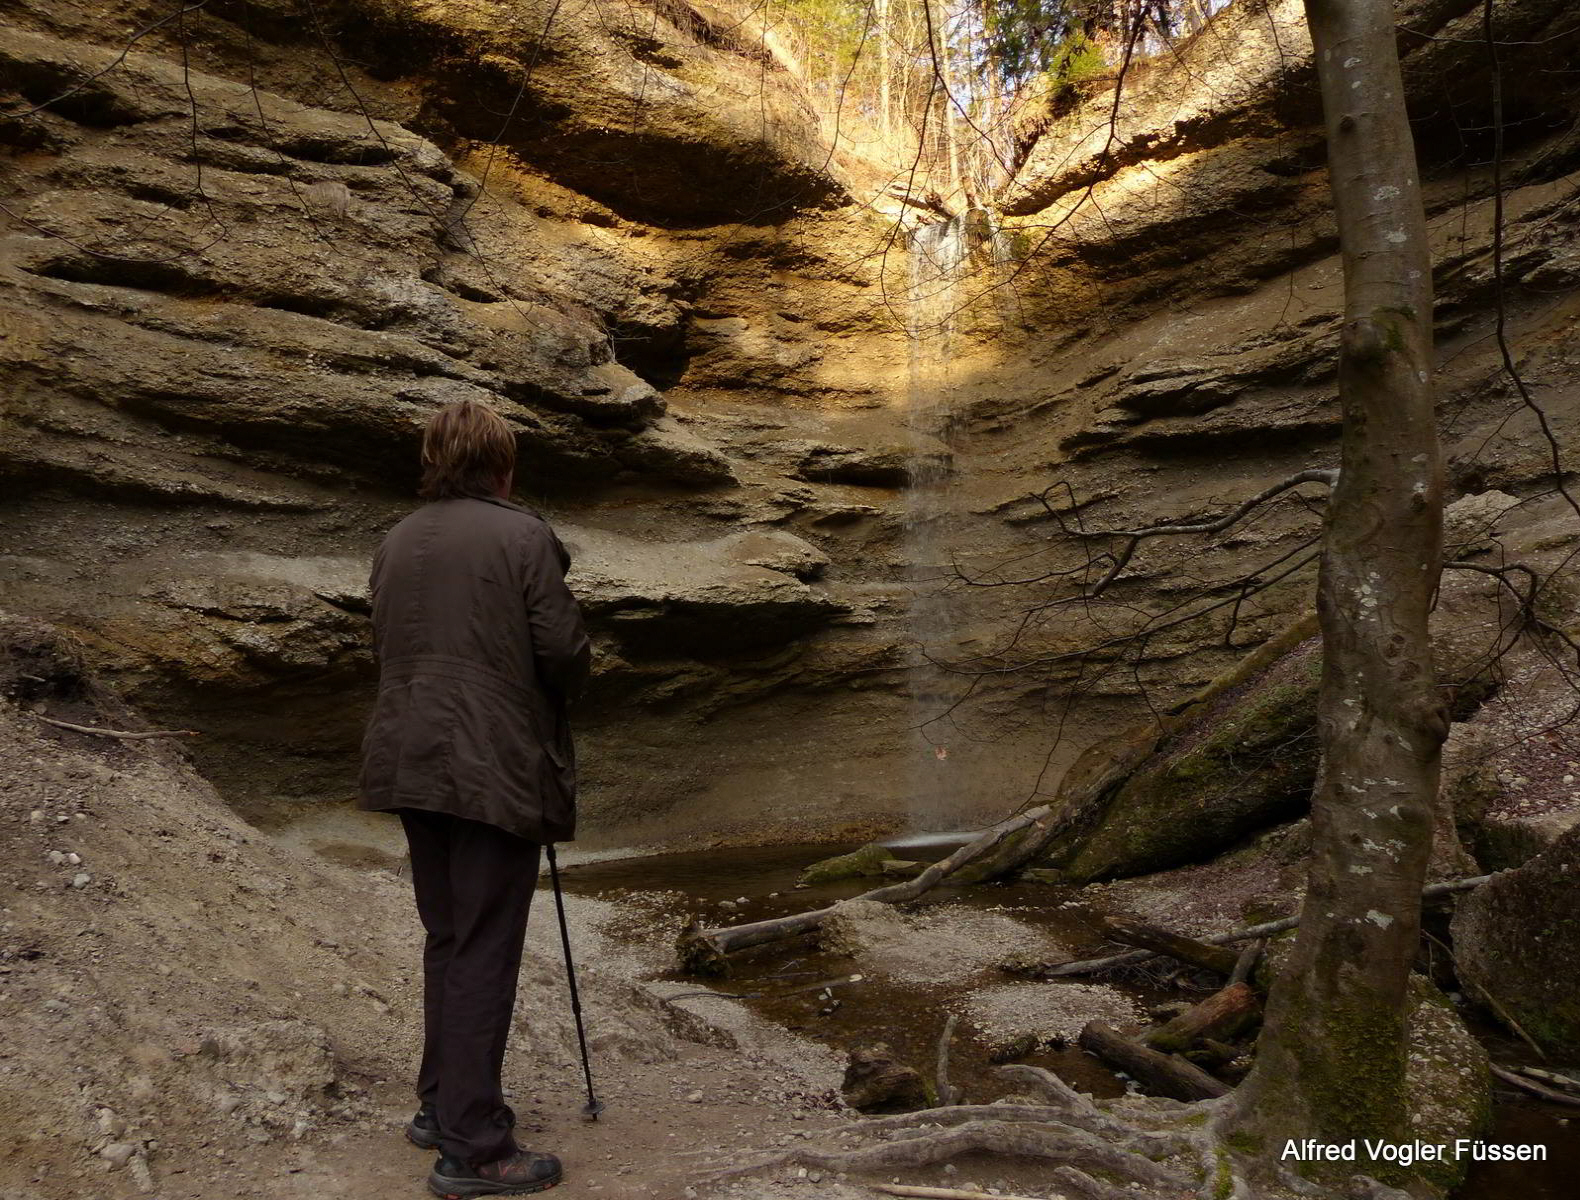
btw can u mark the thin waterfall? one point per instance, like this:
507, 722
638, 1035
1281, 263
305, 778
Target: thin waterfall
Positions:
941, 264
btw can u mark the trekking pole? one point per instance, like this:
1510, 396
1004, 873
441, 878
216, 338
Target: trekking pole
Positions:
594, 1105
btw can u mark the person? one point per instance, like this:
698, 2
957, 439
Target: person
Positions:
480, 647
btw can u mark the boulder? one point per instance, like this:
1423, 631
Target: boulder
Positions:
867, 861
876, 1082
1514, 788
1517, 942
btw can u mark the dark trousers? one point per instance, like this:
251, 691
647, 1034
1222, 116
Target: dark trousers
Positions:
474, 885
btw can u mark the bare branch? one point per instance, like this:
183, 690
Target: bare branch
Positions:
125, 735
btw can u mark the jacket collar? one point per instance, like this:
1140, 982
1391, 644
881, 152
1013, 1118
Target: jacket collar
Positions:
510, 504
559, 547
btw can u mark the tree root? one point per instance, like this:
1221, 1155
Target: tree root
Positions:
919, 1147
1150, 1143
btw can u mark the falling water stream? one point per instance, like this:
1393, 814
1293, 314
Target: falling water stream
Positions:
943, 258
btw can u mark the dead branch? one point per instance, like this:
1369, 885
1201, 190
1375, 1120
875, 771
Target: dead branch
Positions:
1563, 1083
1119, 560
1174, 945
704, 950
1266, 929
1542, 1091
1246, 965
125, 735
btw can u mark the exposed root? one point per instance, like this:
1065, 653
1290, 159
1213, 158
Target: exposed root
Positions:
1128, 1148
920, 1147
1151, 1143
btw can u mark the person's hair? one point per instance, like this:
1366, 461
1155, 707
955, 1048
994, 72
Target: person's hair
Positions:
467, 450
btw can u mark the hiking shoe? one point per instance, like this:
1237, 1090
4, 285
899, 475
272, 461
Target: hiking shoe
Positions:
518, 1174
423, 1129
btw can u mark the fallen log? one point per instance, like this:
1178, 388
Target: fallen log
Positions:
1267, 929
704, 951
1219, 1017
1564, 1083
1174, 945
1213, 1055
1163, 1074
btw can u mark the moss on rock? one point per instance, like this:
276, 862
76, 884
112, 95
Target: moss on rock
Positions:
869, 860
1241, 759
1517, 940
1447, 1084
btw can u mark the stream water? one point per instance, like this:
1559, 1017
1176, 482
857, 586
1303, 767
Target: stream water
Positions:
908, 1016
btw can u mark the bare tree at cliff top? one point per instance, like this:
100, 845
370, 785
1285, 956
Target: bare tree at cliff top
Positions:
1331, 1061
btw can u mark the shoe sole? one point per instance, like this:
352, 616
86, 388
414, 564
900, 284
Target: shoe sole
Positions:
423, 1139
465, 1189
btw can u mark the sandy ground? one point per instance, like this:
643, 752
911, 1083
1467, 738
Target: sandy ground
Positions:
194, 1009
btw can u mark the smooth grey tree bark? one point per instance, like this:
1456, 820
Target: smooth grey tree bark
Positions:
1331, 1059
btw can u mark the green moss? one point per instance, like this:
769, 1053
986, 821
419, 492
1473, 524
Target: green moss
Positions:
1223, 1182
1233, 766
1019, 244
1244, 1142
868, 860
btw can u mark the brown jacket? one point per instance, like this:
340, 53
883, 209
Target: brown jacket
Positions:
480, 647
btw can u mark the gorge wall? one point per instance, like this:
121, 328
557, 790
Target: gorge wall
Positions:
246, 259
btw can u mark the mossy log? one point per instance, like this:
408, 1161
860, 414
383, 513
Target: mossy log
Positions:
1221, 1015
1162, 1074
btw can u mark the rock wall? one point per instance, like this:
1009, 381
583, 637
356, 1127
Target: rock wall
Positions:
246, 259
1167, 349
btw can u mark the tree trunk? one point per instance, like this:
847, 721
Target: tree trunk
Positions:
1331, 1061
885, 71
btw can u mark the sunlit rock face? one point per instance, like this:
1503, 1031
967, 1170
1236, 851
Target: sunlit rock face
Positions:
237, 283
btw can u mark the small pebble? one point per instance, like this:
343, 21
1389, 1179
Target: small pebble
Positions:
694, 1098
